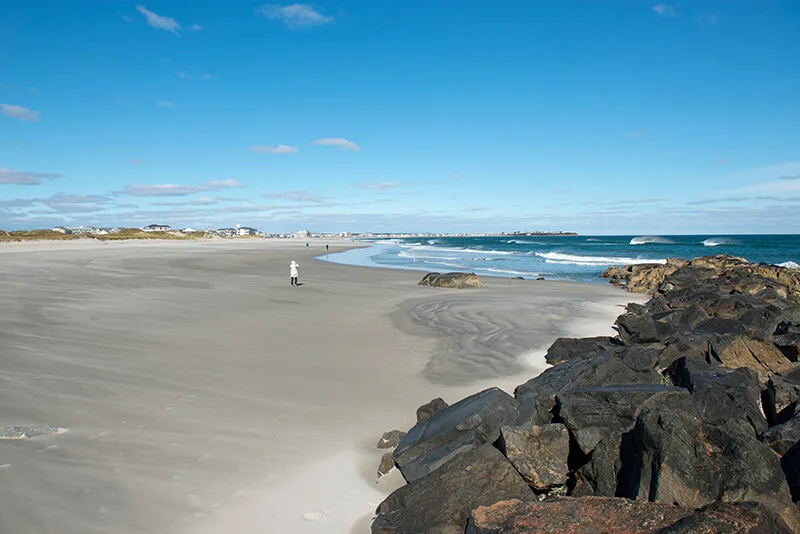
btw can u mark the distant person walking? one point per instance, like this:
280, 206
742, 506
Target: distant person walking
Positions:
294, 274
326, 247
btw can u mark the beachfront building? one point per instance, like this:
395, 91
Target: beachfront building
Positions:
62, 230
157, 228
189, 230
226, 232
245, 230
302, 234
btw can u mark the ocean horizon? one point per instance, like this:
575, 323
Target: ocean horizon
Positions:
571, 258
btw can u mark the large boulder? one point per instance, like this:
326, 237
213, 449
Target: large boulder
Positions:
443, 501
538, 453
454, 430
566, 515
537, 396
451, 280
565, 349
731, 518
720, 393
760, 356
791, 467
679, 459
781, 438
598, 420
781, 397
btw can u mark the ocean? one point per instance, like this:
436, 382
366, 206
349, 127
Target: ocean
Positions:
575, 258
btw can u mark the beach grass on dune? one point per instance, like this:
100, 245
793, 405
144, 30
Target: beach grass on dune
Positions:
127, 233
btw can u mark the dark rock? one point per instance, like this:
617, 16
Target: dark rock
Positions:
679, 459
791, 467
762, 322
540, 278
518, 278
781, 397
443, 501
390, 439
451, 280
426, 411
454, 430
640, 328
760, 356
720, 393
538, 453
386, 465
731, 518
566, 515
565, 349
788, 342
537, 396
783, 437
597, 419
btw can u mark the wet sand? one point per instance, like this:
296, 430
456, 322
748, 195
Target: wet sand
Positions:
200, 393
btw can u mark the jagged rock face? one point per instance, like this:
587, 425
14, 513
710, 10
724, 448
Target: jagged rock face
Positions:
680, 459
452, 280
587, 515
538, 453
565, 349
454, 430
731, 518
426, 411
443, 501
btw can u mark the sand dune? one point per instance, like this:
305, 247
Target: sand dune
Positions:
202, 393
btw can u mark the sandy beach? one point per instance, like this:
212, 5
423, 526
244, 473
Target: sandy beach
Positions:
200, 393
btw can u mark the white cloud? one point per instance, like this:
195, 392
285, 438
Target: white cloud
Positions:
344, 144
664, 10
196, 27
378, 186
170, 190
157, 21
186, 76
164, 104
295, 15
19, 112
795, 177
214, 185
10, 176
297, 196
280, 149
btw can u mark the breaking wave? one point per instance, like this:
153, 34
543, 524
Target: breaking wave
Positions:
717, 241
790, 265
570, 259
651, 239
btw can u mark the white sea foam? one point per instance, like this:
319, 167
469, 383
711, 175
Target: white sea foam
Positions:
790, 265
524, 242
571, 259
717, 241
648, 239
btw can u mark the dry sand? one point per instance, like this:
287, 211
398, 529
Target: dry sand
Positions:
203, 394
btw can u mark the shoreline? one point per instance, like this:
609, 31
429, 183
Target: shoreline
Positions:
264, 424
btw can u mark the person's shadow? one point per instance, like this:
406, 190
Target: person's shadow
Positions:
298, 284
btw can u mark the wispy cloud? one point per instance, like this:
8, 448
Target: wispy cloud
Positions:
19, 112
10, 176
344, 144
457, 177
295, 15
376, 186
196, 27
157, 21
794, 177
202, 201
664, 10
716, 201
706, 20
222, 184
187, 76
297, 196
280, 149
173, 190
164, 104
137, 161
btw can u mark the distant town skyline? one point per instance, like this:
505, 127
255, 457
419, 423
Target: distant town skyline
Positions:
616, 117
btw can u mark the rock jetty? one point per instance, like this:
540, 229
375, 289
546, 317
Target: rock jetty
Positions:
687, 421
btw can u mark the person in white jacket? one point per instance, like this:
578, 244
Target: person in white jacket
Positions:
294, 274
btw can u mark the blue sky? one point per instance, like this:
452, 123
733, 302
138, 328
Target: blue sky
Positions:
611, 116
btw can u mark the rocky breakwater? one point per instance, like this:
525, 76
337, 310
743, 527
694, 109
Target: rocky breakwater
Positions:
687, 421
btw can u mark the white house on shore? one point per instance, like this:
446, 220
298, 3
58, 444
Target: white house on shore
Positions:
302, 234
62, 230
157, 228
246, 230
